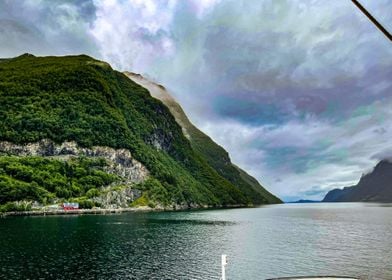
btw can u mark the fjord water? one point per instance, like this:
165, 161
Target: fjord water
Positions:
281, 240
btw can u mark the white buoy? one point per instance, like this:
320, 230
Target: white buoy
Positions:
224, 263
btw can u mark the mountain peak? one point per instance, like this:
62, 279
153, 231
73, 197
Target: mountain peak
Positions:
26, 55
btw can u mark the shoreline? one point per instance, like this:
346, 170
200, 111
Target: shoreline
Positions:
104, 211
97, 211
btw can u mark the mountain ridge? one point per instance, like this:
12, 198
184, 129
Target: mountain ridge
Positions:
375, 186
215, 154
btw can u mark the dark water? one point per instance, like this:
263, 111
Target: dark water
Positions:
283, 240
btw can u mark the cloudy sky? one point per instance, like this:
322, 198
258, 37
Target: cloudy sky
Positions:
298, 91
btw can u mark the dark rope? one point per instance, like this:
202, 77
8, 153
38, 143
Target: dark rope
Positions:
372, 19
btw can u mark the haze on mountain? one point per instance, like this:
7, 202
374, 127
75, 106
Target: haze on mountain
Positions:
375, 186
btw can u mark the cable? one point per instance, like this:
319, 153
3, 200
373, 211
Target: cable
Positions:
372, 19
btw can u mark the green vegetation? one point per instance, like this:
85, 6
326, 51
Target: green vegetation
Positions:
13, 206
77, 98
42, 179
219, 159
141, 201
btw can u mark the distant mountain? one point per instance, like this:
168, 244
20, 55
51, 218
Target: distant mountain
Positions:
305, 201
214, 154
336, 194
373, 187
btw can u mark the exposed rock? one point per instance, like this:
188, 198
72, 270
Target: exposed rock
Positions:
159, 140
118, 198
120, 161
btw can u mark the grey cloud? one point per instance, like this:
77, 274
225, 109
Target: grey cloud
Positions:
292, 157
382, 155
46, 27
13, 33
299, 92
262, 66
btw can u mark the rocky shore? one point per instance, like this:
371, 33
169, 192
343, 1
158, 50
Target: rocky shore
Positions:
103, 211
78, 211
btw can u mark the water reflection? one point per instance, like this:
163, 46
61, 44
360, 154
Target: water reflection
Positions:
193, 222
284, 240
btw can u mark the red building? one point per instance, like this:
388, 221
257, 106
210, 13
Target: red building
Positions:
70, 206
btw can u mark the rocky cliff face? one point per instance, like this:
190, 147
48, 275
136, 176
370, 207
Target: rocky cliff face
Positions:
118, 197
373, 187
120, 161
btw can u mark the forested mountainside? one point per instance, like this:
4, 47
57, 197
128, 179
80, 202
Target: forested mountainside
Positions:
74, 129
214, 154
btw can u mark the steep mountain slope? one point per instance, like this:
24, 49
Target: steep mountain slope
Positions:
62, 111
336, 194
214, 154
373, 187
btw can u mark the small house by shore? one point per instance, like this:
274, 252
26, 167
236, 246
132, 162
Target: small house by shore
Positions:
70, 206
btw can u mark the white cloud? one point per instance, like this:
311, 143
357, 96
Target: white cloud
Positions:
133, 34
203, 6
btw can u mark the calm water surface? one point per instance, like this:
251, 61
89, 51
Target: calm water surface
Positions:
283, 240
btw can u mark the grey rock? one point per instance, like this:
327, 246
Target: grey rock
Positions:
120, 161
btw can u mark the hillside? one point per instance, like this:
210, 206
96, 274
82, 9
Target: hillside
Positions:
373, 187
74, 129
214, 154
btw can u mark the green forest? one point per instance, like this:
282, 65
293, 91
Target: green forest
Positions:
42, 180
78, 98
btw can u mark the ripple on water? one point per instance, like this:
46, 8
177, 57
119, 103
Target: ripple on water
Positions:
261, 243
